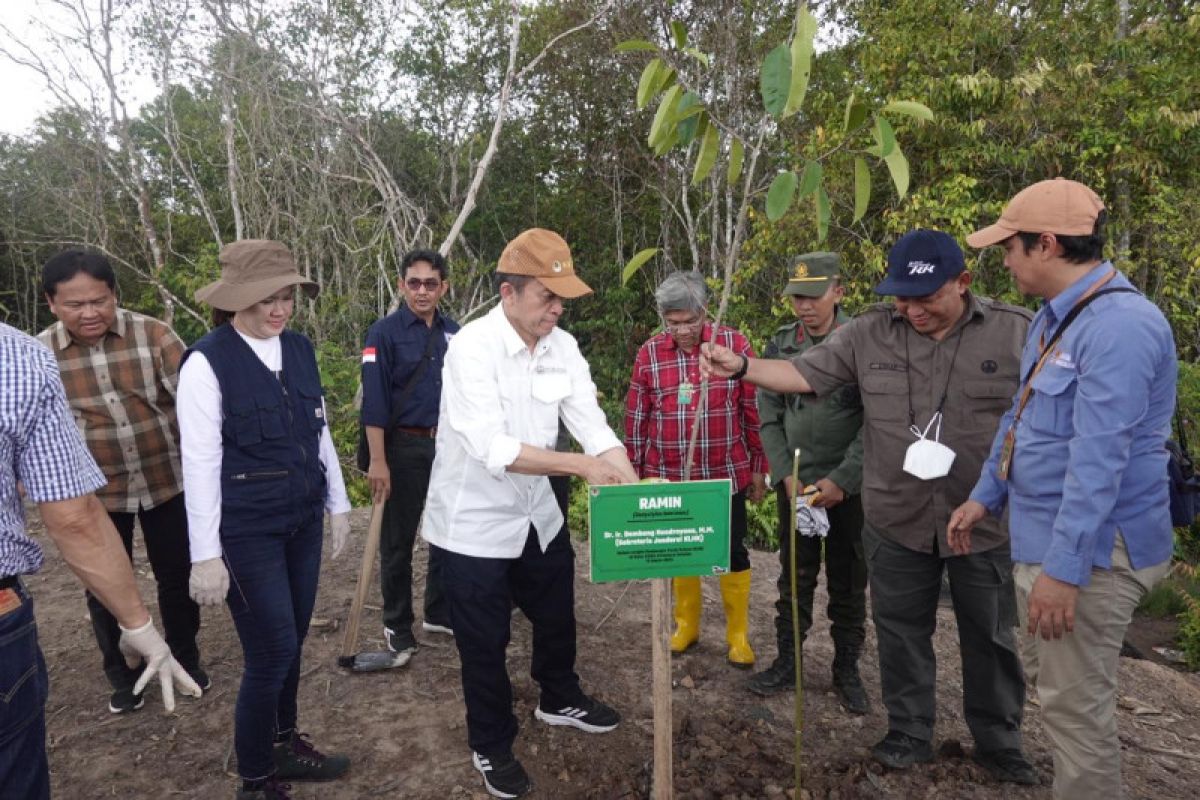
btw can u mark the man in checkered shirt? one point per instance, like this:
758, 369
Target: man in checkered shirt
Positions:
120, 370
664, 395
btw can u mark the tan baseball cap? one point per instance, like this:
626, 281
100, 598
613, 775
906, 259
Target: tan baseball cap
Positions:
544, 255
1061, 206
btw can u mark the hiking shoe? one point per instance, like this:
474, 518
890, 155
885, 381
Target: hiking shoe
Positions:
779, 677
401, 643
433, 627
503, 775
299, 760
1008, 766
590, 715
847, 683
900, 751
124, 701
271, 790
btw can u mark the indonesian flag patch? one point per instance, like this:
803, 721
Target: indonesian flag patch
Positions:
368, 355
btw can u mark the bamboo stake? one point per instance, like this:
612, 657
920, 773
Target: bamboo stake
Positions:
799, 710
660, 614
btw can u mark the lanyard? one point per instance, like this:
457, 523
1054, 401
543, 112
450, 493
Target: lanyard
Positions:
1045, 349
912, 414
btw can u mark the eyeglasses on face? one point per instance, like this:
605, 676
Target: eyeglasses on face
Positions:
683, 326
430, 285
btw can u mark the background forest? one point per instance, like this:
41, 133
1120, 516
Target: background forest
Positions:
355, 130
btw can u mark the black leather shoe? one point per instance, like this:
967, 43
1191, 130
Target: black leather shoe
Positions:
777, 678
1007, 766
900, 751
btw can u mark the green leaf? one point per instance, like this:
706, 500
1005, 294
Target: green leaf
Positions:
897, 164
737, 152
632, 45
710, 146
801, 58
667, 142
779, 196
696, 54
811, 178
664, 119
691, 118
856, 113
862, 188
648, 83
885, 137
636, 263
679, 34
910, 108
774, 79
823, 214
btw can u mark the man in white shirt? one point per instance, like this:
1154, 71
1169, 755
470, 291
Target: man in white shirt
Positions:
508, 379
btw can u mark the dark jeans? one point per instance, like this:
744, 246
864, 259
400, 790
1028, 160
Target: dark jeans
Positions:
845, 574
904, 598
165, 531
24, 771
272, 589
410, 459
739, 556
480, 593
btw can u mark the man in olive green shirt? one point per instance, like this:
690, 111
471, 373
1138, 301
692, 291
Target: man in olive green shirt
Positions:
828, 433
940, 363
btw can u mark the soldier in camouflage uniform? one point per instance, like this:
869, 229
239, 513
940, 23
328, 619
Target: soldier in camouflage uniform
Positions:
828, 432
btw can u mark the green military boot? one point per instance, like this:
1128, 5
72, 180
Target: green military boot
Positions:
846, 681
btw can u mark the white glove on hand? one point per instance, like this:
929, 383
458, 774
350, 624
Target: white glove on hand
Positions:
339, 530
146, 645
209, 583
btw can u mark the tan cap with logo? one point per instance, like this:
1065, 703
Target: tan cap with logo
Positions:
544, 255
1061, 206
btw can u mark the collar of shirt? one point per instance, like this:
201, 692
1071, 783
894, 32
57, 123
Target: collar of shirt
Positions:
409, 318
840, 318
511, 340
1061, 305
63, 338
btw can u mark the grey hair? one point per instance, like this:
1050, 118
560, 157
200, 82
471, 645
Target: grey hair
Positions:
681, 291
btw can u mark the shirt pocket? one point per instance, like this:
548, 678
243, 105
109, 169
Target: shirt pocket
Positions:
1051, 408
550, 387
313, 409
885, 398
985, 403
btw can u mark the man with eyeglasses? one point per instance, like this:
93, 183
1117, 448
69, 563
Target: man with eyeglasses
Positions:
120, 371
662, 403
402, 391
936, 369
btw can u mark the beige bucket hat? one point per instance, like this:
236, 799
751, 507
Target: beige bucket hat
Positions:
253, 270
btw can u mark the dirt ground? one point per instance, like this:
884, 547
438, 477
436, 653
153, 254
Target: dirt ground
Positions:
405, 731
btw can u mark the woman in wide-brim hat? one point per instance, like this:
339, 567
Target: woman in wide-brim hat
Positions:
259, 471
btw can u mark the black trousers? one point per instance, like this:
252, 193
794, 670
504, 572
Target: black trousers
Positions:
905, 585
845, 574
410, 459
480, 593
165, 531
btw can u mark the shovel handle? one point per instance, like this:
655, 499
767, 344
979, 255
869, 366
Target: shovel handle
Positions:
365, 573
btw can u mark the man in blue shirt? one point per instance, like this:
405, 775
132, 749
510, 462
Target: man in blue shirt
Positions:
402, 390
41, 448
1079, 459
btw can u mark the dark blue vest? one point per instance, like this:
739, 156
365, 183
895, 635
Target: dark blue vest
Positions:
272, 479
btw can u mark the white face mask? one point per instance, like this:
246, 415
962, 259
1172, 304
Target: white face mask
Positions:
928, 458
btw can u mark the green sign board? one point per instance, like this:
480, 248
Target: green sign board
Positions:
659, 530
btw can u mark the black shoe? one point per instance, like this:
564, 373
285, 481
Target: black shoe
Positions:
1008, 766
201, 678
124, 701
401, 643
590, 715
779, 677
847, 683
271, 790
503, 775
299, 760
900, 751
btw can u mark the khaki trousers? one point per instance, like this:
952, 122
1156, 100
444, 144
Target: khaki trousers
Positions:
1076, 676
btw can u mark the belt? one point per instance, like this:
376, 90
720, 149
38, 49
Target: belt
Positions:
9, 581
424, 433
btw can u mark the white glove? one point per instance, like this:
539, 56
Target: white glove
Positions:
339, 530
146, 645
209, 582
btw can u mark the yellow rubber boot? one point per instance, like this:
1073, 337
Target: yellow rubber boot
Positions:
735, 594
687, 613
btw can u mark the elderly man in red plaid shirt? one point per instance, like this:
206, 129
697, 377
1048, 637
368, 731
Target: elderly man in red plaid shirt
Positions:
664, 395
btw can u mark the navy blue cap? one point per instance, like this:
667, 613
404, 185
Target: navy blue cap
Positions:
920, 262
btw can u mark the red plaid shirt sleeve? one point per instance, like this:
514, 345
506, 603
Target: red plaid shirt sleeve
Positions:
664, 394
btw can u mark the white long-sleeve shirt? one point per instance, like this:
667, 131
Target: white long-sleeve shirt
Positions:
496, 396
198, 408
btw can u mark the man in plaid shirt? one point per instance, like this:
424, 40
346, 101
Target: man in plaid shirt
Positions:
120, 370
664, 395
